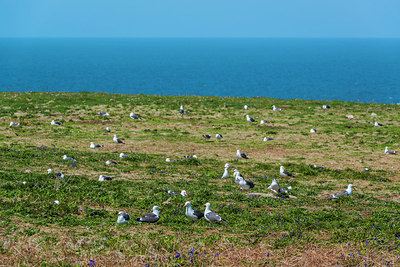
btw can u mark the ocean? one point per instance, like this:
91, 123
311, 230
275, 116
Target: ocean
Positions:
360, 70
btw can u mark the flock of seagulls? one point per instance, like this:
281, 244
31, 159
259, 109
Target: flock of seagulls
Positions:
191, 213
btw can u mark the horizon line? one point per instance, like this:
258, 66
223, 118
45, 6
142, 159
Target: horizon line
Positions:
192, 37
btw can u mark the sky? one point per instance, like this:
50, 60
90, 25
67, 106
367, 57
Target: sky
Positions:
201, 18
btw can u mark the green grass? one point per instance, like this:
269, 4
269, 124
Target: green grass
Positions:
83, 227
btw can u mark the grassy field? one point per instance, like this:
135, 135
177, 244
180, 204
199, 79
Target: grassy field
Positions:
302, 230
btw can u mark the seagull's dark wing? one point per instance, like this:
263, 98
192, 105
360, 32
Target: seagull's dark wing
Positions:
150, 218
243, 155
198, 214
340, 194
126, 216
287, 173
213, 217
250, 184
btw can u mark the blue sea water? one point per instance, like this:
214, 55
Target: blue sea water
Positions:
362, 70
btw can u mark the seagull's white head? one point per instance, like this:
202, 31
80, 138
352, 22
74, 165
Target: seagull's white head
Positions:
120, 213
49, 171
65, 156
386, 148
227, 165
181, 107
207, 205
184, 193
188, 204
156, 210
282, 169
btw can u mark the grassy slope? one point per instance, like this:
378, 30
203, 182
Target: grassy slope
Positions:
305, 230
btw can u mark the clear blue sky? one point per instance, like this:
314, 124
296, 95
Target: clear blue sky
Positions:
200, 18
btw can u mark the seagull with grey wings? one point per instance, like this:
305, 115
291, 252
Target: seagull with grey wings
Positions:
123, 217
117, 140
277, 189
344, 193
245, 184
192, 213
211, 216
284, 172
135, 117
250, 119
103, 178
241, 155
151, 217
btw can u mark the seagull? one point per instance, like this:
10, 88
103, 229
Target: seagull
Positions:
105, 178
387, 151
377, 124
237, 175
241, 155
226, 173
57, 174
151, 217
122, 155
250, 119
218, 136
53, 122
326, 107
169, 160
246, 107
108, 130
227, 165
350, 116
211, 216
92, 145
275, 108
267, 139
206, 136
123, 217
56, 202
135, 117
313, 131
13, 124
181, 111
68, 158
192, 213
245, 184
171, 193
276, 188
346, 192
284, 172
108, 162
102, 113
116, 140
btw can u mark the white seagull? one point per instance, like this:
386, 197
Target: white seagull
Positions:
267, 139
275, 108
377, 124
102, 113
108, 130
151, 217
284, 172
135, 117
313, 131
346, 192
122, 155
237, 175
192, 213
68, 158
57, 174
171, 193
181, 111
105, 178
218, 136
226, 173
246, 107
206, 136
250, 119
53, 122
169, 160
13, 124
276, 188
326, 107
56, 202
123, 217
92, 145
245, 184
108, 162
387, 151
211, 216
241, 155
116, 140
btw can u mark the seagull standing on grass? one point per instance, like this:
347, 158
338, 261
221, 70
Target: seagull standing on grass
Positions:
275, 108
102, 113
211, 216
92, 145
346, 192
267, 139
218, 136
116, 140
122, 155
151, 217
313, 131
192, 213
13, 124
123, 217
326, 107
250, 119
226, 173
108, 130
241, 155
181, 111
387, 151
135, 117
245, 184
284, 172
237, 175
68, 158
246, 107
276, 188
53, 122
105, 178
377, 124
206, 136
